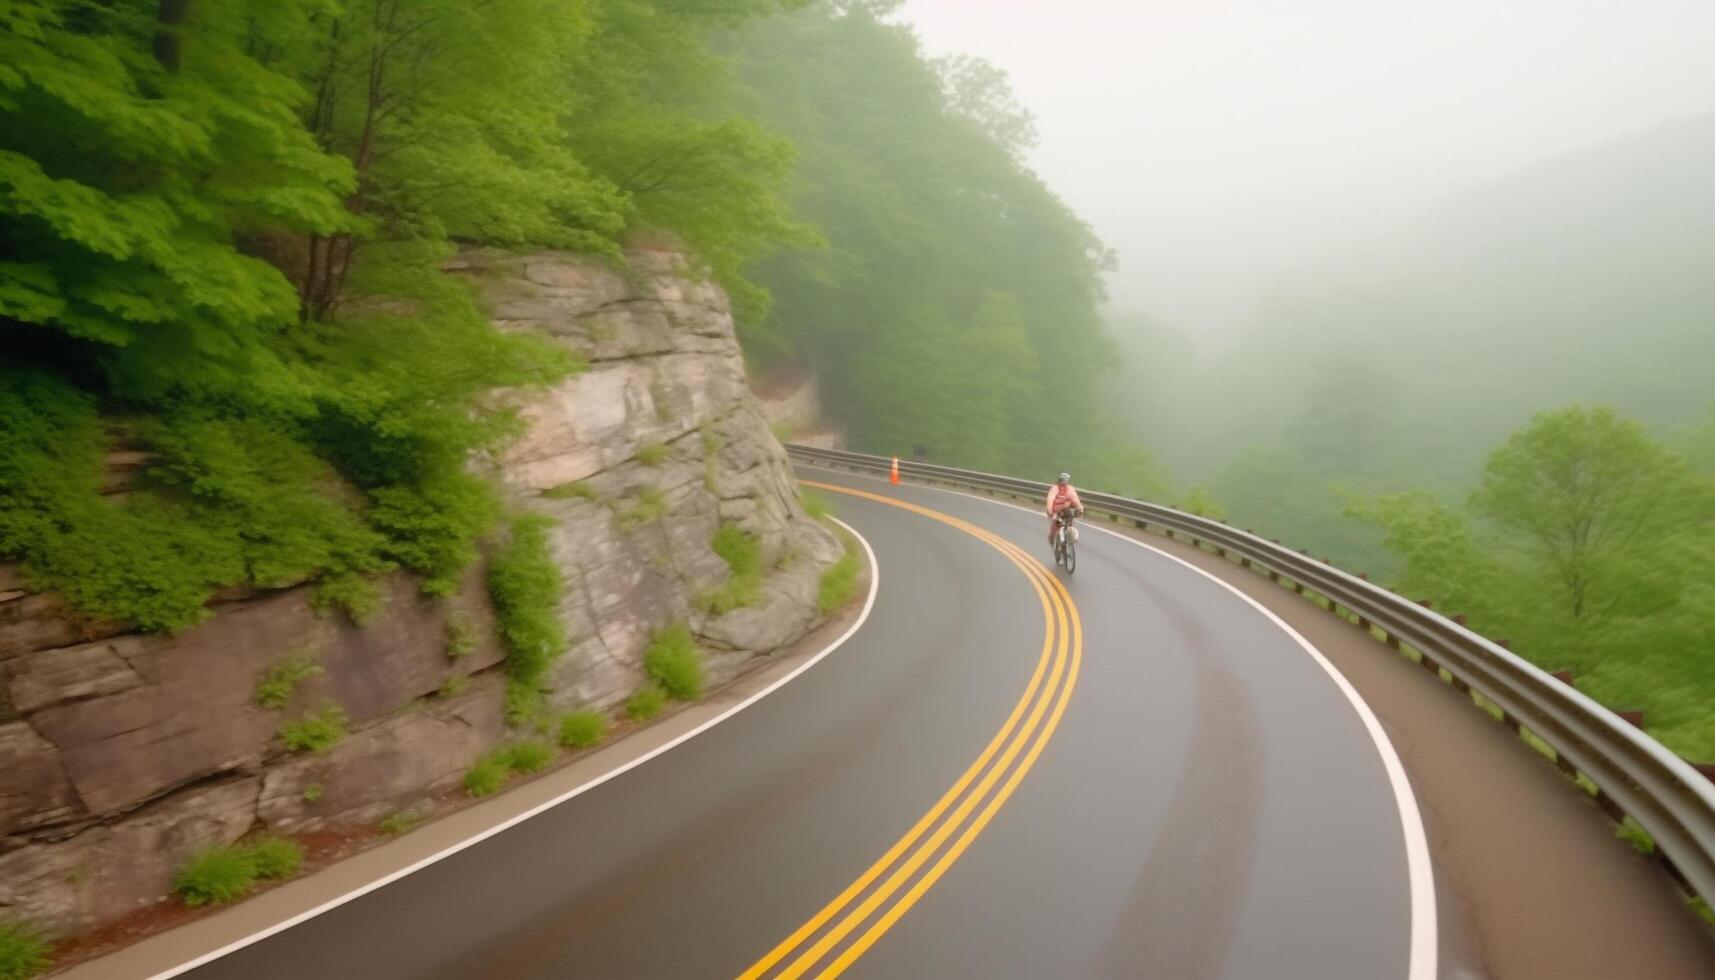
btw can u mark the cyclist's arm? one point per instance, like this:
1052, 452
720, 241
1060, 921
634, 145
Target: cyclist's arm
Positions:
1074, 498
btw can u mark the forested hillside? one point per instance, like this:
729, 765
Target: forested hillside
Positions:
1507, 408
223, 225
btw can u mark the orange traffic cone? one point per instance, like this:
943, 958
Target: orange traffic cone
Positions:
893, 476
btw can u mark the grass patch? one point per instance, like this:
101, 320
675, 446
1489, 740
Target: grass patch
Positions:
1633, 834
491, 772
312, 792
575, 490
1699, 908
743, 556
652, 454
583, 729
526, 585
315, 732
673, 663
399, 823
651, 506
461, 635
647, 702
523, 758
281, 680
453, 686
275, 857
223, 874
23, 951
485, 776
839, 581
817, 505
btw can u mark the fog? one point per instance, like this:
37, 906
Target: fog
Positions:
1221, 146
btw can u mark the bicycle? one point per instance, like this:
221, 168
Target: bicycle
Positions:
1066, 541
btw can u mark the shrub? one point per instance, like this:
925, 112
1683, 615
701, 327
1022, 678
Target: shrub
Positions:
652, 454
524, 705
647, 702
282, 679
583, 729
576, 490
651, 506
275, 857
23, 951
315, 732
838, 583
523, 758
215, 875
461, 634
673, 663
525, 585
743, 555
490, 772
398, 823
453, 686
485, 776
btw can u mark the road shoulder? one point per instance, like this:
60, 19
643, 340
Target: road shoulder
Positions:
1532, 882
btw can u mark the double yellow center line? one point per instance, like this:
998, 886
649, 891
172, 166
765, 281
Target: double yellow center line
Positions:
825, 940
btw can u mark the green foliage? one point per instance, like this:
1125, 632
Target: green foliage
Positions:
583, 729
275, 857
673, 663
650, 507
24, 952
652, 454
216, 875
838, 582
485, 776
461, 634
958, 295
1202, 503
526, 585
743, 556
492, 771
1589, 546
283, 677
453, 686
576, 490
646, 702
522, 758
400, 822
1700, 908
317, 731
313, 793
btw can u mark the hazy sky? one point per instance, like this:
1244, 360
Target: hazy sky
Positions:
1219, 143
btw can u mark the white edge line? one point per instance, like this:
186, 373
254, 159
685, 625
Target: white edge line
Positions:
1420, 873
333, 903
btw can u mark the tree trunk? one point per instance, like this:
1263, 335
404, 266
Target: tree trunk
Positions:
169, 17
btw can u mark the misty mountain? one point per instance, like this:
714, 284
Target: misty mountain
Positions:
1587, 278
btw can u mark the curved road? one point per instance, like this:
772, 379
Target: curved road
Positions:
1006, 772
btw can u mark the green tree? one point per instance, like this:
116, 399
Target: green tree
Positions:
1585, 490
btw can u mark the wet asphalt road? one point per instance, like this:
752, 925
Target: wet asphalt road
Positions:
1209, 806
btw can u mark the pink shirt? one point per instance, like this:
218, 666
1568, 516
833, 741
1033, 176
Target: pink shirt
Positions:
1060, 497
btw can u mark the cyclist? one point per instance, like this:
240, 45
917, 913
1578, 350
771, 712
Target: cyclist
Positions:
1062, 496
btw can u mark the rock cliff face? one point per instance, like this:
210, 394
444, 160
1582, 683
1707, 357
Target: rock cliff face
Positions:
123, 753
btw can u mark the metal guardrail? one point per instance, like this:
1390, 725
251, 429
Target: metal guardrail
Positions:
1635, 775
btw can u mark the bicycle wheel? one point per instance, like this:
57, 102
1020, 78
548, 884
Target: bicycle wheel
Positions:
1071, 561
